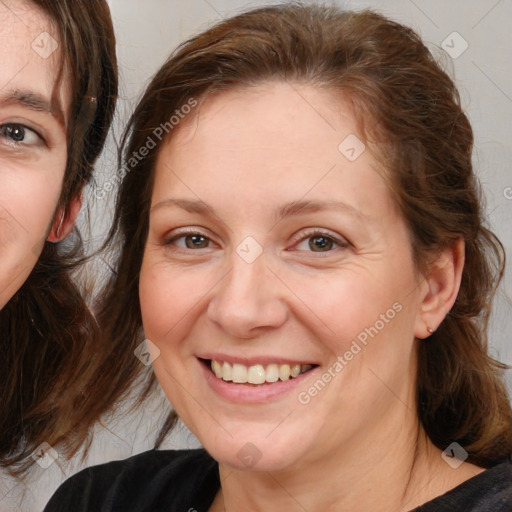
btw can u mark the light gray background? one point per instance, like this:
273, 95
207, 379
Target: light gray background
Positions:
147, 30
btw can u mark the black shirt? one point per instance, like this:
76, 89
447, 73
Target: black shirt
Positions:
188, 480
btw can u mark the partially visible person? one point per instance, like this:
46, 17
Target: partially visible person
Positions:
58, 89
305, 254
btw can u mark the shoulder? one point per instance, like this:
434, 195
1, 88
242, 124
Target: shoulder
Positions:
489, 491
149, 481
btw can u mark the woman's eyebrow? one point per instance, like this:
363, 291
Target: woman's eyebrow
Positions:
310, 206
32, 101
191, 206
287, 210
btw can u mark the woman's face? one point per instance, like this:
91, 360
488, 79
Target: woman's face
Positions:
275, 246
32, 139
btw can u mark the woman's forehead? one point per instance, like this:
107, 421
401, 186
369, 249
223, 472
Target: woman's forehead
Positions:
30, 70
275, 115
275, 143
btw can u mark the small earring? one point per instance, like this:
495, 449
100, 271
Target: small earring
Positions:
430, 330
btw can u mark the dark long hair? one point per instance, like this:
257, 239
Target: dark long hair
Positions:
47, 332
411, 115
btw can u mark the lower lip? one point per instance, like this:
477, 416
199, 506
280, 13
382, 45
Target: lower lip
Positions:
248, 393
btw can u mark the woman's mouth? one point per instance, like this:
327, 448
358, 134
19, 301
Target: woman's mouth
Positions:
257, 374
256, 380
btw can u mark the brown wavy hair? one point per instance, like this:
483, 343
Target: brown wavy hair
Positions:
47, 331
410, 114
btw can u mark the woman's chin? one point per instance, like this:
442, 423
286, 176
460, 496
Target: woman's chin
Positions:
257, 455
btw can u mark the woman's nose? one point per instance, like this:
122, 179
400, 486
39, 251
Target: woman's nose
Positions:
249, 300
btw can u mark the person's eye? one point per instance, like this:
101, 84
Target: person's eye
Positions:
320, 241
20, 135
190, 240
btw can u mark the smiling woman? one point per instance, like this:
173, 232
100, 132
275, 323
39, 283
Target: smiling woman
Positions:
312, 229
58, 86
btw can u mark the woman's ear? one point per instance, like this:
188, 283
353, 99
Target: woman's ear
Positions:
65, 220
440, 289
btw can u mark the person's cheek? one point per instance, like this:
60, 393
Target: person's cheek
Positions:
18, 255
171, 295
26, 210
162, 301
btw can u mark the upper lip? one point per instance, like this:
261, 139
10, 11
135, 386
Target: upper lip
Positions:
254, 360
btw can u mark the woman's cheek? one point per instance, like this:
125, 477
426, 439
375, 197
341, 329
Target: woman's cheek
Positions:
167, 297
336, 302
25, 218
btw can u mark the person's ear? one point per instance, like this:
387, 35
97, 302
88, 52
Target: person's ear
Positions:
65, 220
439, 289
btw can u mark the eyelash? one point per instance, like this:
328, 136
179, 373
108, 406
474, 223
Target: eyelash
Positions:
317, 233
342, 243
5, 126
183, 234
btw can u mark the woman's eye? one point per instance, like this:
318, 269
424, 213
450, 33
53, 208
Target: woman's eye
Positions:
318, 243
19, 134
193, 241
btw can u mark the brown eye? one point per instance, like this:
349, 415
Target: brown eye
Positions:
20, 134
15, 132
196, 241
321, 243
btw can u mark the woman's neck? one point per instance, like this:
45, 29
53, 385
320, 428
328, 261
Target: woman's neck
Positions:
397, 473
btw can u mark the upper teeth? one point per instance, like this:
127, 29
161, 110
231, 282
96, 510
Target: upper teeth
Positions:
257, 374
